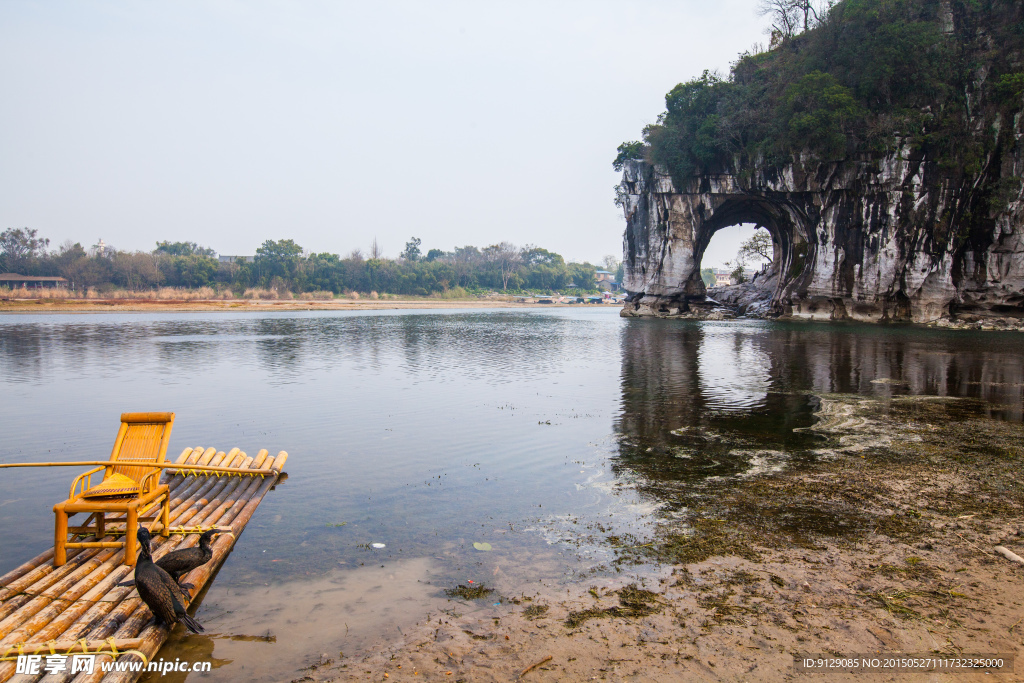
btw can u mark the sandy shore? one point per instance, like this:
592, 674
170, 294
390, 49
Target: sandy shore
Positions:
162, 305
913, 494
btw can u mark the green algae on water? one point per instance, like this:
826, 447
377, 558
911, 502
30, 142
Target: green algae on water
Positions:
634, 602
474, 592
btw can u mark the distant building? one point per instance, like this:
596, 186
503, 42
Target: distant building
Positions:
723, 278
606, 280
225, 258
13, 280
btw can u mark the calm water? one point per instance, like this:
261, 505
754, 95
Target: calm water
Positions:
429, 431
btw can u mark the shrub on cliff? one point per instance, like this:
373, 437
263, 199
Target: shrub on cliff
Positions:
870, 76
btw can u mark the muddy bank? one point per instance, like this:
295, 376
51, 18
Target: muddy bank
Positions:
882, 542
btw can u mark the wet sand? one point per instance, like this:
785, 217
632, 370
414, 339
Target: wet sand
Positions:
914, 494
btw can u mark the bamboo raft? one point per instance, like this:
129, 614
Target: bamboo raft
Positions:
79, 606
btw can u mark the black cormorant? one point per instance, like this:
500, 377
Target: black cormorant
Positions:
158, 590
180, 562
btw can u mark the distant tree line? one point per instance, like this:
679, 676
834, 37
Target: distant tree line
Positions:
283, 265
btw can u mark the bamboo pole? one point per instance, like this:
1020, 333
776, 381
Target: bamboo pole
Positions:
191, 485
85, 601
181, 497
42, 609
243, 517
30, 581
59, 618
150, 637
122, 614
213, 510
25, 568
40, 567
70, 646
129, 610
184, 455
208, 456
40, 573
116, 607
18, 627
49, 579
72, 571
177, 495
157, 465
181, 460
153, 636
260, 457
198, 504
46, 627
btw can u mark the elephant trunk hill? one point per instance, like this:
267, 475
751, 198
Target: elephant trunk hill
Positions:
894, 203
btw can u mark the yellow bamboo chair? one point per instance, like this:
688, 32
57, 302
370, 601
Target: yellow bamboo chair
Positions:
129, 487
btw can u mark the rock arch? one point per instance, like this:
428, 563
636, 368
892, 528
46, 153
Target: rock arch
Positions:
668, 232
778, 217
865, 239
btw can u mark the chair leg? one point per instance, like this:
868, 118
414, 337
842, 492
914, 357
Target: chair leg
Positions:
60, 536
165, 517
130, 542
101, 525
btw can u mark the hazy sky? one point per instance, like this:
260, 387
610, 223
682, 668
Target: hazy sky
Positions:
228, 123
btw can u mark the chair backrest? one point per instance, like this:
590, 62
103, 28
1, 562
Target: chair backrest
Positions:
142, 439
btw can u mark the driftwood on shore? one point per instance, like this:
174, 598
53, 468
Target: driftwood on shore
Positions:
56, 606
535, 665
1009, 554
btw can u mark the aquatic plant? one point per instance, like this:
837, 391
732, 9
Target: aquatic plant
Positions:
474, 592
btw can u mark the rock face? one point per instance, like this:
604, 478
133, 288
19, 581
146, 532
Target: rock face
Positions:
890, 238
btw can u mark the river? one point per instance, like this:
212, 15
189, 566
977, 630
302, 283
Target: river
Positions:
541, 433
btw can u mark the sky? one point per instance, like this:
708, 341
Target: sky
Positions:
332, 123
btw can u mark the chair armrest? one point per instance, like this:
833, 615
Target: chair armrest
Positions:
88, 481
146, 485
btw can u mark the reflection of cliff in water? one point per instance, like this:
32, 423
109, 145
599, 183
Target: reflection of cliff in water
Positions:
702, 401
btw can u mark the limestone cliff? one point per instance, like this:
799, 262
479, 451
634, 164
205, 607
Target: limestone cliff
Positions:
866, 239
886, 200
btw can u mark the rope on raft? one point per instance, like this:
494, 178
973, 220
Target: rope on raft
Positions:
187, 472
24, 648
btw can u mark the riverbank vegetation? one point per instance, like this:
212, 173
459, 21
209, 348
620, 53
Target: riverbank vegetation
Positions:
283, 269
854, 77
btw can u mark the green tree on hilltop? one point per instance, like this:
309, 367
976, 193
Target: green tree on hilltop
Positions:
939, 79
820, 113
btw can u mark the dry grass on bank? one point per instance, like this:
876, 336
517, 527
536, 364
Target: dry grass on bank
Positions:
211, 294
161, 293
